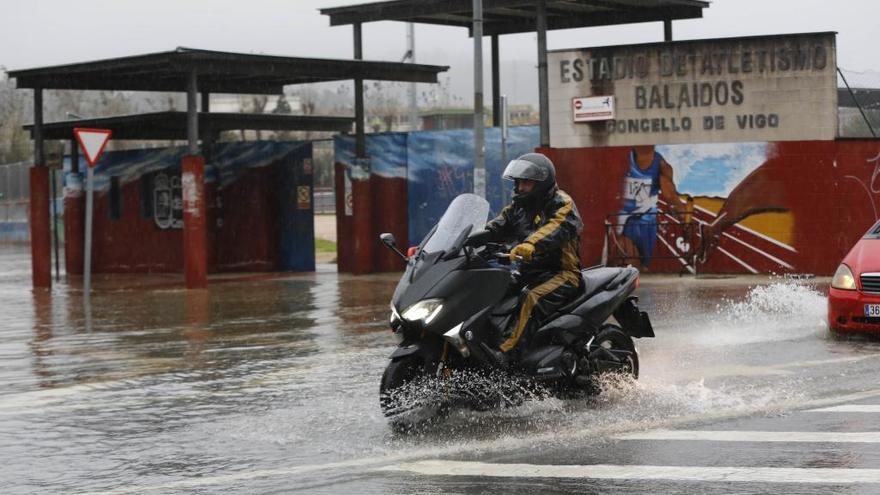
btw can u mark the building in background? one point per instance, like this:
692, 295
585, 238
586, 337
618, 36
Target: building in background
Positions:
719, 155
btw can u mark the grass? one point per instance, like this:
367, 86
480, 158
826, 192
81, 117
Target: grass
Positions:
324, 246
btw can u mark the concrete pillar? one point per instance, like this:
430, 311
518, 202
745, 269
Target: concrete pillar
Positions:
74, 224
364, 236
74, 215
41, 235
41, 238
195, 232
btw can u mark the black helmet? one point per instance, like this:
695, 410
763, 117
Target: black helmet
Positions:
532, 166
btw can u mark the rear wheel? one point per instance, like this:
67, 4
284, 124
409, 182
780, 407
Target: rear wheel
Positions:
612, 338
611, 353
405, 396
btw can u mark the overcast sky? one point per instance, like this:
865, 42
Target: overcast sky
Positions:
36, 33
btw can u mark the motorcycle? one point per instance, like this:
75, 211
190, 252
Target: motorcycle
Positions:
453, 303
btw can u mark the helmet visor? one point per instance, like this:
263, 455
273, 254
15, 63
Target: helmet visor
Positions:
524, 169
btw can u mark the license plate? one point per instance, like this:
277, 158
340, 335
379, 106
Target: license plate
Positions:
872, 310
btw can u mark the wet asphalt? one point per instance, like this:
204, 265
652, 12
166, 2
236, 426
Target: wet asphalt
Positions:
268, 384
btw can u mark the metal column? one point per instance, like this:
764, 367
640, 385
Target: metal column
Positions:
192, 113
479, 139
209, 138
543, 93
667, 30
413, 90
496, 83
360, 147
39, 152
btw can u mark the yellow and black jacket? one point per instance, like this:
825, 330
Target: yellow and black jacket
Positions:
553, 227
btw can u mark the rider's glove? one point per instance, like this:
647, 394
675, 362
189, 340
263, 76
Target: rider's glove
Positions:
522, 251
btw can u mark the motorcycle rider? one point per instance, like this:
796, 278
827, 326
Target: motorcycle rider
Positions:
545, 223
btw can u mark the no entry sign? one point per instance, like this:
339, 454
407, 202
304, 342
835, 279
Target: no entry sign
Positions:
92, 142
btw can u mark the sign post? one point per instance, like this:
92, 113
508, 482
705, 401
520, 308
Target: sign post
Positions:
92, 142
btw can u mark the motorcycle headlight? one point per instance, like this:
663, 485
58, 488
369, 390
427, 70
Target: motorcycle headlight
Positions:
843, 278
424, 311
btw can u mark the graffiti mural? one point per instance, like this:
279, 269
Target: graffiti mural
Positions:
690, 203
777, 207
440, 167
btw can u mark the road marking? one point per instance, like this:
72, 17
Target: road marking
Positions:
636, 472
492, 445
862, 408
757, 436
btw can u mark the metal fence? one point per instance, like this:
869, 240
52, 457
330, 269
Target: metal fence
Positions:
14, 188
325, 201
15, 199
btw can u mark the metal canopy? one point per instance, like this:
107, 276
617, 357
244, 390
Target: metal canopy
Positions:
867, 98
217, 72
172, 125
518, 16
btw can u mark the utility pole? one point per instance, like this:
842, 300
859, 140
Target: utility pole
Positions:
479, 152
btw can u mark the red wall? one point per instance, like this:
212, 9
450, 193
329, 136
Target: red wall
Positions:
389, 215
248, 238
383, 210
246, 241
132, 243
825, 185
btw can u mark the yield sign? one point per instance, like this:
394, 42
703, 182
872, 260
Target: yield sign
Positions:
92, 142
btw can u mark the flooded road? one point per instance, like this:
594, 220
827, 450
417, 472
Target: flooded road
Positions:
269, 385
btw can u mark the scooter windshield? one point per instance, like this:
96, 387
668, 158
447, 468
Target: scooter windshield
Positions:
466, 210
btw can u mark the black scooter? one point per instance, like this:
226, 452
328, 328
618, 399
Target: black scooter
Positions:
453, 303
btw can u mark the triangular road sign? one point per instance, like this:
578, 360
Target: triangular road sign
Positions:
92, 142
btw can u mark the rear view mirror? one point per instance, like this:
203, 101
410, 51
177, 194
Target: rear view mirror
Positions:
388, 239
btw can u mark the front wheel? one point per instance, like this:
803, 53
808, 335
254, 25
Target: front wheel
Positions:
405, 394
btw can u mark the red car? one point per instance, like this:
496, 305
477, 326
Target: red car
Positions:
854, 296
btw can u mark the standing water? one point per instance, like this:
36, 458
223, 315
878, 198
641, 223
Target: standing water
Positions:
270, 383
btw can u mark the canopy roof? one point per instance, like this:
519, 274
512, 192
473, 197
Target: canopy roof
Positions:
172, 125
218, 72
518, 16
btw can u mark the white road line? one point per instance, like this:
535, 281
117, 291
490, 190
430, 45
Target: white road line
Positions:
862, 408
505, 443
635, 472
757, 436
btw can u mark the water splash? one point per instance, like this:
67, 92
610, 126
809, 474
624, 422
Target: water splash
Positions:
781, 310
